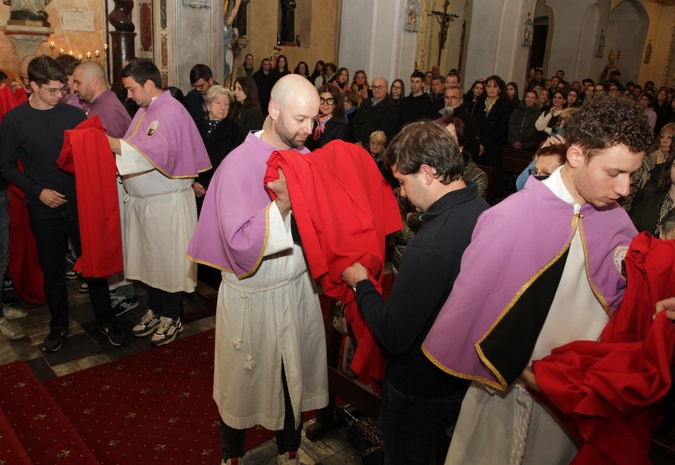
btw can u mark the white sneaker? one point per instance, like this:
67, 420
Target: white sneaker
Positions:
233, 461
167, 331
290, 458
11, 329
13, 313
146, 325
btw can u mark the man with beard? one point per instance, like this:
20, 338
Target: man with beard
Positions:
270, 361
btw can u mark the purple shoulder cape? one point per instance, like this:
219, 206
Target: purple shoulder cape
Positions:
512, 244
232, 229
113, 115
166, 135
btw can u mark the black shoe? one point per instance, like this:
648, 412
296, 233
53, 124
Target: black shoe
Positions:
54, 340
116, 335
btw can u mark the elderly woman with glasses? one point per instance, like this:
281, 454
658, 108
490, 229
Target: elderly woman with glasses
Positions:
330, 124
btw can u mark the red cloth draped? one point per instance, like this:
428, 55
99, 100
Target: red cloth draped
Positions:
608, 393
24, 266
344, 209
86, 153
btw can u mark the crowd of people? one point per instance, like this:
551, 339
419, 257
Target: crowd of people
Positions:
462, 337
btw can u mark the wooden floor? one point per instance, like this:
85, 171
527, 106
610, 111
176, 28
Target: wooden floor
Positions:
86, 347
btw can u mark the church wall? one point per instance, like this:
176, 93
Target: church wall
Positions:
627, 32
375, 40
318, 31
660, 69
80, 42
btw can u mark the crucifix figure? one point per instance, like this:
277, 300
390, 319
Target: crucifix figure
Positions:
444, 19
288, 20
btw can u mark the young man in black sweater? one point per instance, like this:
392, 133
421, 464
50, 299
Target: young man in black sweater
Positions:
418, 399
33, 133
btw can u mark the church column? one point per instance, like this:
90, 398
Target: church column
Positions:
122, 39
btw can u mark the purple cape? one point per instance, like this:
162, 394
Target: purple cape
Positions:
166, 135
232, 229
512, 245
109, 109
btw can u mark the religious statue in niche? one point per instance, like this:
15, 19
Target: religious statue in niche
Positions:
600, 51
288, 20
648, 52
527, 31
27, 10
412, 18
612, 66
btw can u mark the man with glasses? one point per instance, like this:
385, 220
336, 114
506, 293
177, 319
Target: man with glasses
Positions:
201, 80
379, 113
454, 106
33, 133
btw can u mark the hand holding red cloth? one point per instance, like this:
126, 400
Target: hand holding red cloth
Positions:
608, 393
344, 209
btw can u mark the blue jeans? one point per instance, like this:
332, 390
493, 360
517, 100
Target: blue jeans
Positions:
4, 237
410, 425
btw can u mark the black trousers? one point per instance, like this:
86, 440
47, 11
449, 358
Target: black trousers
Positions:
51, 227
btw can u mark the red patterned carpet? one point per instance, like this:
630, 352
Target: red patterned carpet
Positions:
152, 407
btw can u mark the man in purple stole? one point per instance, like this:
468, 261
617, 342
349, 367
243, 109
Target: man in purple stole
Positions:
158, 159
543, 269
270, 363
91, 87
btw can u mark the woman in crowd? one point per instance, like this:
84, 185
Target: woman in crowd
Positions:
523, 134
549, 117
318, 69
327, 76
360, 86
351, 102
543, 100
512, 94
342, 79
646, 101
573, 99
264, 81
653, 202
662, 108
471, 171
281, 69
220, 134
247, 112
302, 69
475, 95
492, 116
330, 124
246, 69
397, 90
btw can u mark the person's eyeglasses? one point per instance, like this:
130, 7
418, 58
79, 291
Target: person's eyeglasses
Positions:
378, 87
538, 173
52, 91
327, 101
198, 86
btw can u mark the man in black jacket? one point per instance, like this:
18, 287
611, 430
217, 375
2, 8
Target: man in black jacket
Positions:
419, 400
417, 105
377, 114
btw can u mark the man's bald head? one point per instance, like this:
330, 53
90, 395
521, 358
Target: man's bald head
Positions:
89, 81
294, 103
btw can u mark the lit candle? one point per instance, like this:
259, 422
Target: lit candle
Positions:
79, 57
105, 47
88, 55
71, 53
97, 54
61, 52
51, 45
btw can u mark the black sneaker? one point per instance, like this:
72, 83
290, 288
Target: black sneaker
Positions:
116, 335
122, 305
54, 340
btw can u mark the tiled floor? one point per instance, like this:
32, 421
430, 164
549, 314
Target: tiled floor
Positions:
86, 347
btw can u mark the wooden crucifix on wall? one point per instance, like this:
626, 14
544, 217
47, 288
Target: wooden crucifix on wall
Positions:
444, 19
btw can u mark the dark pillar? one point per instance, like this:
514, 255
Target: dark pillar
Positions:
122, 39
